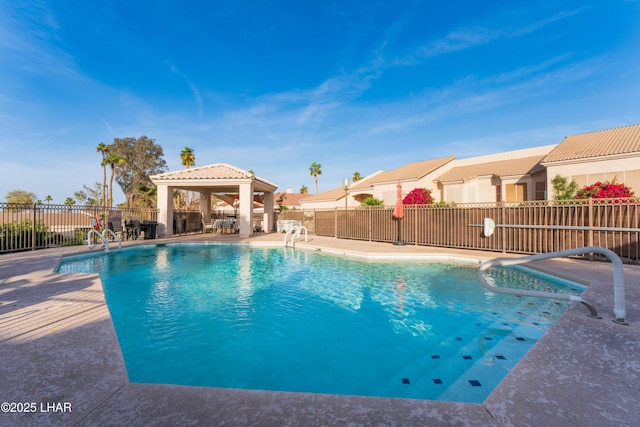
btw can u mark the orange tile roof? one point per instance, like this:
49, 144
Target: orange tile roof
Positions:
291, 199
521, 166
415, 170
215, 171
602, 143
338, 193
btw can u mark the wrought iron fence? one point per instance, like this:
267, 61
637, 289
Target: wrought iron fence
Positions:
30, 227
527, 227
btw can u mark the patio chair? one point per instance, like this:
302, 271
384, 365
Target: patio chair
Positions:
116, 227
132, 229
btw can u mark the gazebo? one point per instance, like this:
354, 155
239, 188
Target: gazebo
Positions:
207, 180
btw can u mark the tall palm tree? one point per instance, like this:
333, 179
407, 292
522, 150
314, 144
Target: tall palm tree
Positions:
188, 159
102, 148
48, 199
69, 202
315, 169
356, 177
112, 160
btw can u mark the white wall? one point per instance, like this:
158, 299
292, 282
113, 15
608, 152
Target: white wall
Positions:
625, 170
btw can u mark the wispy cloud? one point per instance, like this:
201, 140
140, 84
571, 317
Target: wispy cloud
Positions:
192, 87
28, 41
475, 35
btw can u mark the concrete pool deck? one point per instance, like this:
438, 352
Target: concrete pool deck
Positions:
61, 362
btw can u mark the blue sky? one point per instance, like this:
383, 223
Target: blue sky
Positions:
273, 86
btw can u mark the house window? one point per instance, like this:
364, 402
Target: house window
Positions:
516, 192
541, 190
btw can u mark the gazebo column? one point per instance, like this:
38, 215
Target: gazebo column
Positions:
245, 195
205, 208
268, 216
165, 214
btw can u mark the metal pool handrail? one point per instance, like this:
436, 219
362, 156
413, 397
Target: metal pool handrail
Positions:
618, 279
294, 231
103, 238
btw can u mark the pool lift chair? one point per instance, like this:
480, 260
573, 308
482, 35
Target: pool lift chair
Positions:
618, 279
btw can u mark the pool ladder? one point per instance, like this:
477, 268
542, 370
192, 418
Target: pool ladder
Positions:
294, 232
618, 279
103, 238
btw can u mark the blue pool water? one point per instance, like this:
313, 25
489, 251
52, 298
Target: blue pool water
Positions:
277, 319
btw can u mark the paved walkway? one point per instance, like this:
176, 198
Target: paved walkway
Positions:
61, 363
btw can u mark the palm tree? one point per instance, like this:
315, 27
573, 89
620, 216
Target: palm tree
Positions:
177, 198
69, 202
356, 176
304, 189
48, 199
112, 160
102, 148
315, 169
148, 194
188, 159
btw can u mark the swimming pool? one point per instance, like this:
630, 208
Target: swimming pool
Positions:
277, 319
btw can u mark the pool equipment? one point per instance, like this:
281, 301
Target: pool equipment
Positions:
103, 238
618, 279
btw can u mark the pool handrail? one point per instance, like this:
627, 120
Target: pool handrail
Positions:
618, 279
115, 236
97, 233
295, 231
103, 238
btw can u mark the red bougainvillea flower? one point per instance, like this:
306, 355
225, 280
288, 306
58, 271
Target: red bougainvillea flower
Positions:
606, 190
418, 196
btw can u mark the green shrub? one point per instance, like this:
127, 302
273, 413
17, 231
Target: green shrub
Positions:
372, 201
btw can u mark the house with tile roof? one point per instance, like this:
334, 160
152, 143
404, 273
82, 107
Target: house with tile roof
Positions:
383, 185
288, 200
336, 197
598, 156
513, 176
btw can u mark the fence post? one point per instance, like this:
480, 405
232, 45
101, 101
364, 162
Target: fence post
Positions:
335, 222
33, 228
504, 229
591, 225
415, 225
369, 208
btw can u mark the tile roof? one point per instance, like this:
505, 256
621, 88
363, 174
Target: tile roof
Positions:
221, 172
415, 170
608, 142
338, 193
215, 171
291, 199
521, 166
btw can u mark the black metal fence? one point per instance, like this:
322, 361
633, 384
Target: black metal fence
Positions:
30, 227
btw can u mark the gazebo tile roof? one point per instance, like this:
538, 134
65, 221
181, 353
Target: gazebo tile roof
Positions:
215, 171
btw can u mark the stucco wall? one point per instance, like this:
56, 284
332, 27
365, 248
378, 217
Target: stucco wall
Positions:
624, 170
